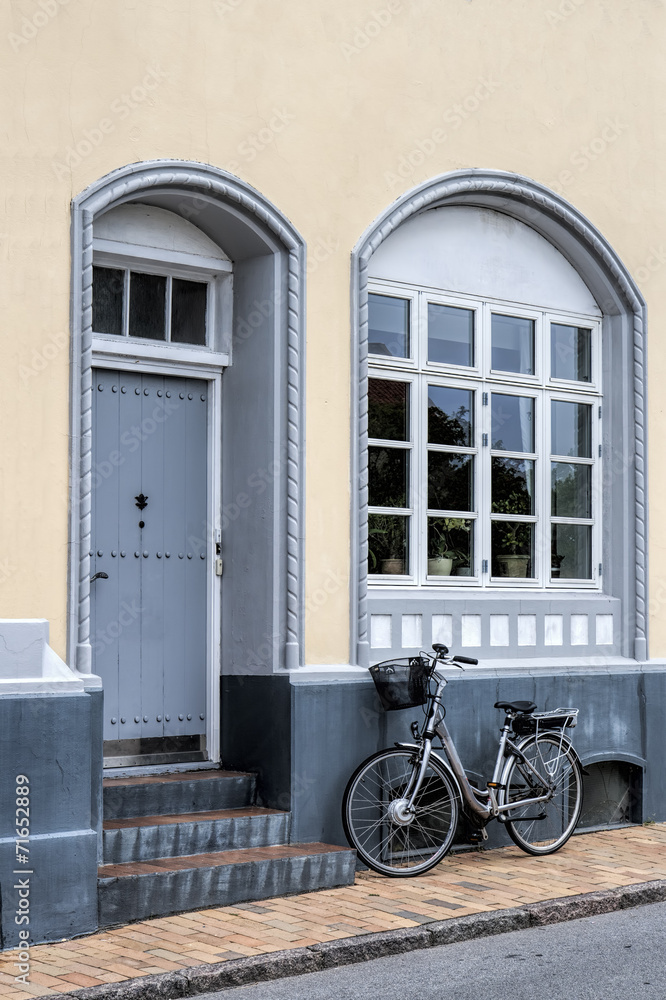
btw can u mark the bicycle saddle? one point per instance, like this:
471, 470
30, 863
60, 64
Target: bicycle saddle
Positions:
516, 706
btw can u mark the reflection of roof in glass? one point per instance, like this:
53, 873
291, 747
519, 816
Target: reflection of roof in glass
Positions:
378, 348
383, 390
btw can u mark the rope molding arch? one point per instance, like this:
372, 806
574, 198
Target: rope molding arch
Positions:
209, 184
527, 201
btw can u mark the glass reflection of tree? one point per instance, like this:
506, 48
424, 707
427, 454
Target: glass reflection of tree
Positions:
387, 409
569, 499
449, 428
387, 474
512, 487
448, 481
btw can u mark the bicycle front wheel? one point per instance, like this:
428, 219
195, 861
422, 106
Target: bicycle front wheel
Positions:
387, 839
544, 827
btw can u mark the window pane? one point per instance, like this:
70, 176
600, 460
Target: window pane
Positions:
388, 326
388, 551
571, 552
388, 409
512, 344
512, 422
188, 312
450, 546
388, 477
147, 306
571, 490
450, 481
107, 294
512, 486
513, 549
450, 416
571, 429
570, 352
450, 335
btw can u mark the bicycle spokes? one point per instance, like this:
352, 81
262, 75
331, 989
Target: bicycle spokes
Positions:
388, 836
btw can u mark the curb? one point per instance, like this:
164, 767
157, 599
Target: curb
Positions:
200, 979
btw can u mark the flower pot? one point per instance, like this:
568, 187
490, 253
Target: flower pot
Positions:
393, 567
514, 565
464, 571
441, 566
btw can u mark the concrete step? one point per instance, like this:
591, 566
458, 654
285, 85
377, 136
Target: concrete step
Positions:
162, 886
185, 792
143, 837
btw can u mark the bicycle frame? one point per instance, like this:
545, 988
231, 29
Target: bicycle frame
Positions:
483, 802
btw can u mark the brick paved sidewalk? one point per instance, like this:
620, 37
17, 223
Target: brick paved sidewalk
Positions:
462, 884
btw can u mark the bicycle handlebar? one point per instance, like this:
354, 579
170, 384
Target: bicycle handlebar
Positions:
441, 655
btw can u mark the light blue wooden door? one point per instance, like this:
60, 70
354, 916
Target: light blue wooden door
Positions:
149, 616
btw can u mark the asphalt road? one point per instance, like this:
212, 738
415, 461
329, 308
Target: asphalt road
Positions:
617, 955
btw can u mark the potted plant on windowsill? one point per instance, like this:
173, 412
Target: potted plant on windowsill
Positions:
390, 559
511, 562
443, 553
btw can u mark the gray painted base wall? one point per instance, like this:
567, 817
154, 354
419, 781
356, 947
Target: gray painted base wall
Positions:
49, 739
334, 726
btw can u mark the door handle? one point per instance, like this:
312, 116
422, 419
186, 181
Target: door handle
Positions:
99, 576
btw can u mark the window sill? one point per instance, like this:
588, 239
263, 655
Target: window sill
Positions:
107, 348
491, 590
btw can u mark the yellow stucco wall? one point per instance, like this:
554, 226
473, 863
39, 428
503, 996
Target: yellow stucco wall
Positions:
359, 101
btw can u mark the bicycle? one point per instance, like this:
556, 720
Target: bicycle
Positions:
401, 806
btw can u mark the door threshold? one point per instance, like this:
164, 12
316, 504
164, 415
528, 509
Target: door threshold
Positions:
146, 759
155, 750
147, 770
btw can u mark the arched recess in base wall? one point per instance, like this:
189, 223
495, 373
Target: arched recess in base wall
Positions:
269, 254
624, 319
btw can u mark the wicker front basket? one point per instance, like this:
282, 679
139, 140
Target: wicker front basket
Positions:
402, 683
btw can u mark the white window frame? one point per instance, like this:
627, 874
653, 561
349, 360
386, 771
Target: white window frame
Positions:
216, 274
419, 373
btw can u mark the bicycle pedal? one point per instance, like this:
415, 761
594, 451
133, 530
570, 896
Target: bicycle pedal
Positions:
477, 836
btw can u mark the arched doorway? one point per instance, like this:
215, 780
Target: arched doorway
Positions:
184, 239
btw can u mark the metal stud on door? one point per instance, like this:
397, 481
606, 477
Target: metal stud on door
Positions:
149, 613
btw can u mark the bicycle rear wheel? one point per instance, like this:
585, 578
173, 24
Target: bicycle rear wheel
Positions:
387, 840
544, 827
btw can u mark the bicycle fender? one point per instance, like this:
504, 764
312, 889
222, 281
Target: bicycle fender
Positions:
442, 763
569, 745
583, 769
566, 744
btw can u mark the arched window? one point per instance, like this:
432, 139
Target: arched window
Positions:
499, 456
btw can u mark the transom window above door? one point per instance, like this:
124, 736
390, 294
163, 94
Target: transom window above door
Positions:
161, 289
160, 307
484, 424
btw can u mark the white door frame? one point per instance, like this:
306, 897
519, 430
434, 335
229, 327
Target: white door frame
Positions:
212, 375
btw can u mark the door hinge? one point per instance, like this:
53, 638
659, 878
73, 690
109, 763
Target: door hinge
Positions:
599, 451
484, 566
484, 440
600, 569
484, 398
219, 566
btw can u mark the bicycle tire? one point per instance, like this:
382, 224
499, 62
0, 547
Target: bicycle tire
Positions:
544, 827
390, 848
